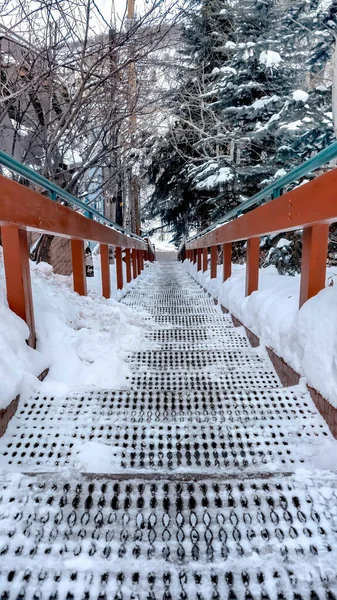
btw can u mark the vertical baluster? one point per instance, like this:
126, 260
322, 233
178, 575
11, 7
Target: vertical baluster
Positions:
78, 262
314, 255
105, 270
119, 268
227, 260
17, 272
252, 265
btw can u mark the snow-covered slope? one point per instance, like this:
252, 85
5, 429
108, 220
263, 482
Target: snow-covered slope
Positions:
82, 340
306, 339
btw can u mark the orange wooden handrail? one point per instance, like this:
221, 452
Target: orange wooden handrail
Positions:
21, 210
311, 207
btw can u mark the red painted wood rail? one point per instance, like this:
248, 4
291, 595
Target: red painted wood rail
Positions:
311, 207
22, 210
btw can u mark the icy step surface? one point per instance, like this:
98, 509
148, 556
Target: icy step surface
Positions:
204, 480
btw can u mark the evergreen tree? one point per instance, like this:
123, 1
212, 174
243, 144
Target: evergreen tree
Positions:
246, 109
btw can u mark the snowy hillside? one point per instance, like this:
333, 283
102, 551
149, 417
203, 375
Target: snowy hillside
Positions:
306, 339
82, 340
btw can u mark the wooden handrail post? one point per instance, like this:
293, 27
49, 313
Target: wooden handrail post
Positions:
128, 264
214, 261
194, 256
119, 267
314, 254
199, 258
204, 259
227, 261
134, 263
252, 265
139, 261
17, 272
105, 270
142, 258
78, 261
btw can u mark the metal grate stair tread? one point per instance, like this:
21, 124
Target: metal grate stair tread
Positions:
205, 479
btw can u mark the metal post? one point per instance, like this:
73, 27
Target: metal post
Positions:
105, 270
17, 271
227, 261
314, 254
128, 264
252, 265
119, 267
214, 261
77, 255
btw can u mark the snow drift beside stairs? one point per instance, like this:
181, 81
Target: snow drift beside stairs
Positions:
306, 339
83, 340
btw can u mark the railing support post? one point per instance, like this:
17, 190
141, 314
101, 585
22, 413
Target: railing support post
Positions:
128, 264
214, 261
105, 270
119, 267
194, 256
139, 261
142, 259
134, 263
314, 254
79, 278
252, 265
204, 259
227, 261
199, 258
17, 271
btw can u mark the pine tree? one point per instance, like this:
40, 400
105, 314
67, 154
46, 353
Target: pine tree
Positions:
188, 170
246, 108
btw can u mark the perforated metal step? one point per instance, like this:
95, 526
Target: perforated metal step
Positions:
196, 360
209, 485
87, 539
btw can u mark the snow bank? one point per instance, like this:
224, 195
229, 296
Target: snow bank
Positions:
306, 339
82, 340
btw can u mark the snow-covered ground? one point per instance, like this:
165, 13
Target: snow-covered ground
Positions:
82, 340
162, 243
306, 339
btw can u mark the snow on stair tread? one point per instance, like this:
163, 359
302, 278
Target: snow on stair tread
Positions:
202, 379
247, 539
229, 360
159, 520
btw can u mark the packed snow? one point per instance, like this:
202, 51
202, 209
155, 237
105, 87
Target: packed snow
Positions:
264, 102
270, 58
82, 340
223, 175
300, 96
306, 339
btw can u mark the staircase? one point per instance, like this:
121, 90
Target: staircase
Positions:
207, 479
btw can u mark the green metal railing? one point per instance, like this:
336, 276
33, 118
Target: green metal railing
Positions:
275, 189
56, 192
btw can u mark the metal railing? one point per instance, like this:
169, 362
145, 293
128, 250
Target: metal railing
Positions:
56, 192
22, 209
311, 207
275, 189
